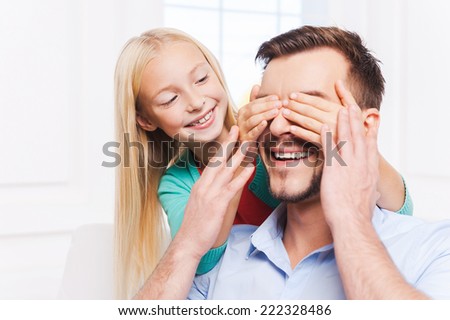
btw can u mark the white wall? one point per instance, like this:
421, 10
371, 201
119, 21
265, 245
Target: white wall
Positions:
56, 100
411, 39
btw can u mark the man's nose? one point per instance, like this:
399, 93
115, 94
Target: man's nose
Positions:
279, 125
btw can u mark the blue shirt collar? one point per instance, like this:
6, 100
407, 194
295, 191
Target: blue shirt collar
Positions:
268, 231
270, 234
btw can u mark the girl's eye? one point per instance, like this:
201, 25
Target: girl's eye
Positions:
165, 104
203, 79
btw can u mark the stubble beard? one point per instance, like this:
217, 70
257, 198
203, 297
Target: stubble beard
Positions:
312, 190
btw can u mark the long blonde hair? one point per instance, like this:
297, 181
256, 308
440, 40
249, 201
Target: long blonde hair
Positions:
141, 236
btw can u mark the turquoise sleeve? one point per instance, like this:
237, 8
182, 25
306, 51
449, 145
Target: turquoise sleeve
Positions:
210, 259
408, 206
173, 194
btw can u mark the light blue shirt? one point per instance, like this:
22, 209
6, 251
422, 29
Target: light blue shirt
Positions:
256, 265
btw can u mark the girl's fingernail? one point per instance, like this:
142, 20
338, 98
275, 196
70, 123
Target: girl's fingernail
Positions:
286, 111
293, 96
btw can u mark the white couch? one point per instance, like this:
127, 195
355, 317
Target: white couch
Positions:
88, 272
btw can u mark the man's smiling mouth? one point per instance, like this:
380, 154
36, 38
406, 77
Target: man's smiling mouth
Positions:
291, 152
281, 156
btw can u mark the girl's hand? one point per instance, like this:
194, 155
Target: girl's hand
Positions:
309, 113
252, 118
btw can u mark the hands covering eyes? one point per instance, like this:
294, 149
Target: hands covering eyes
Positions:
307, 113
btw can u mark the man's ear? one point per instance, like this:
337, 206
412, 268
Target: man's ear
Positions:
144, 123
371, 117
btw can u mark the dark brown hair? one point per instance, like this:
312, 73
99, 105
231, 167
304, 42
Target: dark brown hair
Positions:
366, 81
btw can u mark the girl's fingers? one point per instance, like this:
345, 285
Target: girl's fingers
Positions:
259, 105
254, 92
308, 111
264, 104
305, 134
256, 119
252, 114
254, 133
303, 121
311, 100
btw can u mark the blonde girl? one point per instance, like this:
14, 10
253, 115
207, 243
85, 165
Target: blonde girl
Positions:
140, 227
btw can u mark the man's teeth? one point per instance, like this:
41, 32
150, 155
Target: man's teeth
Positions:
290, 155
202, 120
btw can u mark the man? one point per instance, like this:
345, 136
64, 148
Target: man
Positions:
327, 240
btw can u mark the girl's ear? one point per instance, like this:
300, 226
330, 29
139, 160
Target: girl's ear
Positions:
371, 117
144, 123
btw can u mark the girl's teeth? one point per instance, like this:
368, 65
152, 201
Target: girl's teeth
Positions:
202, 120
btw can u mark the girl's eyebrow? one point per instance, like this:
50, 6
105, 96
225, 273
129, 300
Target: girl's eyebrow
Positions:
196, 67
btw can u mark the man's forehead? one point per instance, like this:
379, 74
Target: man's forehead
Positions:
314, 72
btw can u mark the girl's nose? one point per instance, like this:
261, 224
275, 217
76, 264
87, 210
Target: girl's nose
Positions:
196, 103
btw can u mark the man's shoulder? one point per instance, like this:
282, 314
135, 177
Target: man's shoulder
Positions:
420, 249
391, 225
388, 218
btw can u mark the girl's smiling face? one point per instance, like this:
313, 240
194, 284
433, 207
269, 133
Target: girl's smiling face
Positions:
182, 95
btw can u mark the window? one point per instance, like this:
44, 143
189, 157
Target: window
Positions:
234, 29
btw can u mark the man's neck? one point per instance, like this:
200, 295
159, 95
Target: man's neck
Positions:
306, 230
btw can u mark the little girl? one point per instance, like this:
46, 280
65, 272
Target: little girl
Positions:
172, 106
